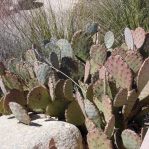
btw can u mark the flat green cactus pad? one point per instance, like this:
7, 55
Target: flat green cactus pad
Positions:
56, 108
20, 113
38, 98
131, 99
143, 79
14, 96
98, 54
109, 128
120, 98
130, 139
13, 81
68, 90
74, 114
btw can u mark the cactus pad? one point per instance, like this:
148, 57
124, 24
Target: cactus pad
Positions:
109, 39
139, 37
13, 96
134, 60
109, 128
120, 98
131, 100
129, 38
87, 71
92, 112
30, 56
59, 89
68, 90
74, 114
20, 113
96, 139
98, 54
54, 60
130, 139
120, 71
43, 73
38, 98
143, 76
119, 51
13, 81
56, 108
1, 105
65, 48
107, 108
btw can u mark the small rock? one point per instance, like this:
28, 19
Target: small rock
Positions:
41, 134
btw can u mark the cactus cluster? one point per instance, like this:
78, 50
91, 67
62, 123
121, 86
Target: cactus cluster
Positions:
100, 87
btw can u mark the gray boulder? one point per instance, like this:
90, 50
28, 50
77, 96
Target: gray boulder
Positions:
41, 134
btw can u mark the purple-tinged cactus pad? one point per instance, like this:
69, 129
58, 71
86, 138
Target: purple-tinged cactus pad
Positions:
13, 96
129, 38
120, 71
120, 98
130, 139
20, 113
134, 60
143, 76
139, 37
96, 139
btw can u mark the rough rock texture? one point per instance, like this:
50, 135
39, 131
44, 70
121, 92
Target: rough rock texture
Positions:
145, 143
15, 135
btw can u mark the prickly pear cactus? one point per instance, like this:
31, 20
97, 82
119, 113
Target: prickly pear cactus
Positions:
143, 79
109, 39
129, 38
131, 100
13, 96
53, 58
81, 43
134, 60
1, 105
20, 113
87, 71
2, 69
68, 90
97, 139
43, 73
120, 71
120, 98
139, 37
65, 48
56, 108
30, 56
109, 128
74, 115
119, 51
92, 113
101, 56
38, 98
130, 139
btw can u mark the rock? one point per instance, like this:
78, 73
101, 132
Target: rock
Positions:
41, 134
145, 143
